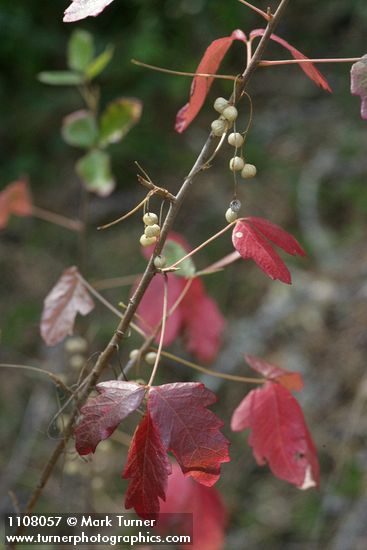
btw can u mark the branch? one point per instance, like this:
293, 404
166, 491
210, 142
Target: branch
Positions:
267, 63
104, 358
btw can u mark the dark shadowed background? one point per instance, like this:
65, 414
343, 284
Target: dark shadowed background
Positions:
310, 150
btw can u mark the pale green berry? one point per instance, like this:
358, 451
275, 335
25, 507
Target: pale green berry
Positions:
77, 361
248, 171
147, 241
236, 164
150, 219
218, 127
76, 344
160, 262
134, 354
152, 230
235, 139
230, 113
150, 358
231, 216
220, 104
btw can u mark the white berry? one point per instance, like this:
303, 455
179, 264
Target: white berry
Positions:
218, 127
235, 139
76, 344
236, 164
220, 104
152, 230
134, 354
230, 113
160, 262
150, 357
77, 361
150, 219
231, 216
248, 171
147, 241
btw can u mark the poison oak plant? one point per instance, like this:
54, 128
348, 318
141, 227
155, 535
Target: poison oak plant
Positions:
170, 299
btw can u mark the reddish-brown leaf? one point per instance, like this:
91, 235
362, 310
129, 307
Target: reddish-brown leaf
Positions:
308, 68
80, 9
200, 86
185, 496
289, 379
15, 199
279, 435
203, 323
102, 414
251, 244
147, 469
189, 429
67, 298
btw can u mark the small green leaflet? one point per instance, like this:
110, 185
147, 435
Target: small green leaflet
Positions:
80, 129
61, 78
174, 252
95, 171
118, 118
80, 50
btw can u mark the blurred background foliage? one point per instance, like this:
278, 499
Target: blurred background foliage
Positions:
310, 150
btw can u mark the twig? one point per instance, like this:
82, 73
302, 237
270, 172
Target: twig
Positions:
202, 245
130, 213
115, 282
268, 63
53, 377
266, 16
105, 357
163, 330
57, 219
232, 377
182, 73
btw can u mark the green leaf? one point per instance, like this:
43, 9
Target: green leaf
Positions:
80, 129
173, 252
60, 78
98, 64
95, 171
80, 50
118, 118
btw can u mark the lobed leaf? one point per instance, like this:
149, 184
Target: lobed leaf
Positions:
188, 429
102, 414
308, 68
248, 239
359, 83
67, 298
119, 117
95, 171
80, 129
200, 86
209, 515
80, 9
16, 199
279, 435
147, 469
288, 379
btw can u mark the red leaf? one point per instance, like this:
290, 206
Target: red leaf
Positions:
203, 323
147, 468
277, 235
15, 199
288, 379
102, 414
189, 429
200, 86
279, 434
358, 76
308, 68
67, 298
250, 244
197, 316
151, 307
80, 9
185, 496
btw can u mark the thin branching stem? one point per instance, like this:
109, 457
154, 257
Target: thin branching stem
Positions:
161, 338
